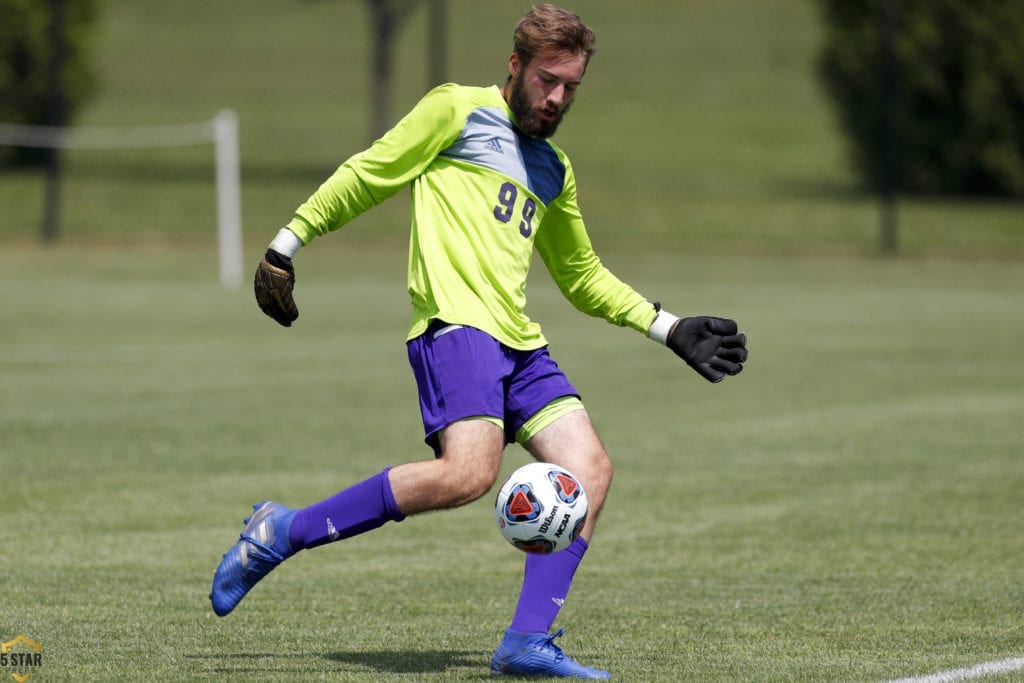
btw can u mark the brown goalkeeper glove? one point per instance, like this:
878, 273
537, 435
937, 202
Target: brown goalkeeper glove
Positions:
273, 285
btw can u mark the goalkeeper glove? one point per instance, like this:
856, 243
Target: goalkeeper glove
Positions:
713, 347
275, 279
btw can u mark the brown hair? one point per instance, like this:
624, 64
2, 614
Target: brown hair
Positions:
546, 27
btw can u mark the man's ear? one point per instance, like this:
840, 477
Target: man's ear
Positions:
514, 64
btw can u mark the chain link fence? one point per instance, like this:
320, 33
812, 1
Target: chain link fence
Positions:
701, 125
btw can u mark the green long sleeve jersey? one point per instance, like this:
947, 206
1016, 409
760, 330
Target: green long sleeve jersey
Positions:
484, 194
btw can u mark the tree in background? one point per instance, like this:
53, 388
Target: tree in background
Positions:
929, 92
386, 19
37, 37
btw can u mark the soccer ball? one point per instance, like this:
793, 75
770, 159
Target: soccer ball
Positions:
541, 508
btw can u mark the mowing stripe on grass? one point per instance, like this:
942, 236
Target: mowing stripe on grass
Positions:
1003, 666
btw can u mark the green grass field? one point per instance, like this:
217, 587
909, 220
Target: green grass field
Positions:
847, 509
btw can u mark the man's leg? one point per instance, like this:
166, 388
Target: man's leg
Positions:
572, 443
466, 468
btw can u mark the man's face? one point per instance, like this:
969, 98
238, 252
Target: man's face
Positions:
540, 93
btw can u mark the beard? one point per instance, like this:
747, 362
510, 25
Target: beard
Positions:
528, 119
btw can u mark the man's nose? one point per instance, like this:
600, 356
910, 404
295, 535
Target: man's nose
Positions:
557, 95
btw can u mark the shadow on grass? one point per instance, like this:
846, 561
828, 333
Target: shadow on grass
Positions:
382, 661
414, 662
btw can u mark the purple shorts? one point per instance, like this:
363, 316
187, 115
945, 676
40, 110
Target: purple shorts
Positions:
462, 372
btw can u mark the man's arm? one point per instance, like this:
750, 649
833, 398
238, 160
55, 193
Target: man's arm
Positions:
564, 245
361, 182
389, 164
712, 346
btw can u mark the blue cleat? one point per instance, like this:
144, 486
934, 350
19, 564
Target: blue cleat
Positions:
262, 546
535, 654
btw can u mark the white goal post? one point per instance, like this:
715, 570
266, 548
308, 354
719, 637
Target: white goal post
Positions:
221, 131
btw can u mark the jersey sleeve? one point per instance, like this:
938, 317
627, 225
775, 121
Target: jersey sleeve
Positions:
393, 161
566, 250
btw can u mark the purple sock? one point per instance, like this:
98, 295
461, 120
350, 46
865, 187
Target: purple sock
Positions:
358, 509
546, 582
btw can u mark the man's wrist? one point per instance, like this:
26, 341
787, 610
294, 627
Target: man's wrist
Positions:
662, 326
286, 243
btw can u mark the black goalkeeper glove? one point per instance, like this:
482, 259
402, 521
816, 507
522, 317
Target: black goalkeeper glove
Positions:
273, 285
714, 347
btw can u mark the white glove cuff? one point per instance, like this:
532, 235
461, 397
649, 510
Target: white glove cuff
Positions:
286, 243
661, 326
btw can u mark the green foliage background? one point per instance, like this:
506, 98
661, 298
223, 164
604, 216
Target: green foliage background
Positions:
955, 92
25, 63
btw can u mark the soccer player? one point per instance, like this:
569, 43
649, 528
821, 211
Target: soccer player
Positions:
488, 187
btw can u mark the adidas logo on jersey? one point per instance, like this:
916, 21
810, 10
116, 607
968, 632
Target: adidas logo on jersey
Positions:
494, 145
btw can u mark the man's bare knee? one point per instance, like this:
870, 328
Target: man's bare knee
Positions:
461, 483
465, 470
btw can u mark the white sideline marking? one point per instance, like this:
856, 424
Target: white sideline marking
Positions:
1002, 666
